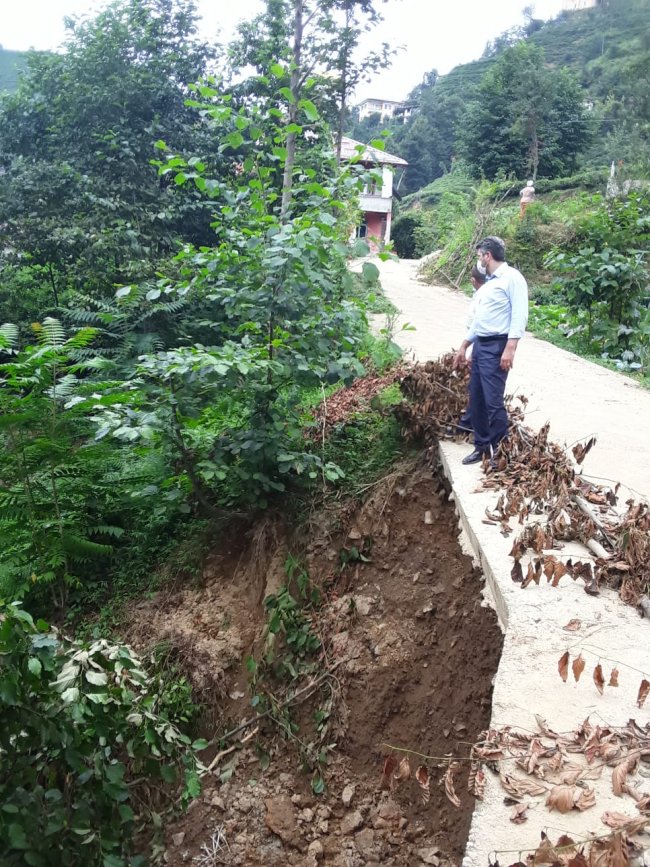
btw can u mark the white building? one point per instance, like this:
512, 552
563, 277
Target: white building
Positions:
576, 5
376, 201
387, 108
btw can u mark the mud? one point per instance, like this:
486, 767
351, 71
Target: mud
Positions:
412, 650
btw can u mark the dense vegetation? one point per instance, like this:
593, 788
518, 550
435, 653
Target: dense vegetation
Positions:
175, 299
584, 93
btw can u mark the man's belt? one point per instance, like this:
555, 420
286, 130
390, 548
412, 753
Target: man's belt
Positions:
492, 337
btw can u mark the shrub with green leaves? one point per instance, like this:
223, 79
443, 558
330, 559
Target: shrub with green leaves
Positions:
603, 275
83, 749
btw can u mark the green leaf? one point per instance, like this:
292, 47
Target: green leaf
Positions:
115, 772
192, 783
126, 813
309, 109
277, 70
200, 744
34, 666
287, 94
17, 837
97, 678
234, 140
168, 773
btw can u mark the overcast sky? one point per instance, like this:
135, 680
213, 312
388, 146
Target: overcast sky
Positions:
431, 35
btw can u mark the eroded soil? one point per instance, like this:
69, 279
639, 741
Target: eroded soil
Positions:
412, 650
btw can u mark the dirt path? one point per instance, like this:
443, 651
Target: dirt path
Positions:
578, 397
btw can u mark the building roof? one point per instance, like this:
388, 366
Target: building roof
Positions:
379, 99
369, 155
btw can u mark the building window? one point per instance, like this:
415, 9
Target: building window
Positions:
362, 230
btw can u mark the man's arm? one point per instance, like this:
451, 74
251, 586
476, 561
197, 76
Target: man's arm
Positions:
518, 319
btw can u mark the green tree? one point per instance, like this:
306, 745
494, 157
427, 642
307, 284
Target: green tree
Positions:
526, 118
79, 196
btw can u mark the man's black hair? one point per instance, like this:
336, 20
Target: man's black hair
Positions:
495, 246
476, 274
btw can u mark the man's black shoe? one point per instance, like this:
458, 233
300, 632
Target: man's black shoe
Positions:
474, 457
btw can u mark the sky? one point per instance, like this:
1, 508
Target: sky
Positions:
429, 35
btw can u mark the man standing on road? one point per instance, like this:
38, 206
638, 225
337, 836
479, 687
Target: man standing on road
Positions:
499, 322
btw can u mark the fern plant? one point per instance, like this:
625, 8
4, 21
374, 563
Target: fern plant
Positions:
50, 468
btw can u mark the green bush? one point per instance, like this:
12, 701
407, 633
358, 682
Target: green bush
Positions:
403, 235
82, 742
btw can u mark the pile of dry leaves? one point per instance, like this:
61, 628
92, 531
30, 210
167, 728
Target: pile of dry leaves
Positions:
558, 768
338, 407
540, 487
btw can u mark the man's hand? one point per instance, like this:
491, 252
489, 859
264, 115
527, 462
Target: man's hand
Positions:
460, 359
508, 355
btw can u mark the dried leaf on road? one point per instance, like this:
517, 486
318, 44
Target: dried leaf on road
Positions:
620, 772
563, 665
559, 572
613, 678
612, 852
477, 784
573, 625
561, 798
586, 800
631, 824
578, 666
599, 679
582, 450
545, 852
518, 814
519, 787
644, 689
567, 798
449, 783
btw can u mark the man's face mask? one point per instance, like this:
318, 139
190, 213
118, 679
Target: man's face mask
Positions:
480, 267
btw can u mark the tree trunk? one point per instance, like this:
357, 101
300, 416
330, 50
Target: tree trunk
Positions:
344, 81
294, 86
534, 151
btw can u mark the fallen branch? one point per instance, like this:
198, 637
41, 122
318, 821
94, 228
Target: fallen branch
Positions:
303, 693
586, 509
223, 753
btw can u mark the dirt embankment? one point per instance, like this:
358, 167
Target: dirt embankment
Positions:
412, 652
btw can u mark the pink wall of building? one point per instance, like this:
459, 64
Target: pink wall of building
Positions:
376, 229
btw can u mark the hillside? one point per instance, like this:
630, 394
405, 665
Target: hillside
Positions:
11, 65
606, 51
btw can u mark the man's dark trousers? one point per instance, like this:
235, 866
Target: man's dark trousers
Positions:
487, 387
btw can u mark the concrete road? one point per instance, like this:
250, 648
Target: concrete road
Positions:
579, 398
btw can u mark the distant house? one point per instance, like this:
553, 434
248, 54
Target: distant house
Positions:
377, 199
577, 5
386, 108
